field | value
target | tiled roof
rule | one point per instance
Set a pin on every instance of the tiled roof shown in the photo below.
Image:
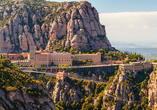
(61, 72)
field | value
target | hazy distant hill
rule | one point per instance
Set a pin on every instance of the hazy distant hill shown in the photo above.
(148, 53)
(120, 44)
(138, 44)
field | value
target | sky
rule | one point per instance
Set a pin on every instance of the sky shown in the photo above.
(133, 21)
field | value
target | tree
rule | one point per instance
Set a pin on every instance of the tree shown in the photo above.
(71, 51)
(66, 65)
(38, 69)
(90, 60)
(89, 73)
(134, 60)
(77, 51)
(22, 57)
(87, 106)
(64, 69)
(75, 105)
(127, 61)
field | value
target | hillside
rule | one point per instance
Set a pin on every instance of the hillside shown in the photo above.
(50, 25)
(124, 90)
(20, 91)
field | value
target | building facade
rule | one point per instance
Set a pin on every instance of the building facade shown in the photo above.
(96, 58)
(15, 56)
(61, 76)
(44, 57)
(137, 66)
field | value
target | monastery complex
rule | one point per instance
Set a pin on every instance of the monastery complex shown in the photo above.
(44, 57)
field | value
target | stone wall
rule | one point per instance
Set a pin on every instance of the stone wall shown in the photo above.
(96, 58)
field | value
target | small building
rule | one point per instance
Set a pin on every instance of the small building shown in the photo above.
(126, 67)
(15, 56)
(148, 65)
(62, 76)
(137, 66)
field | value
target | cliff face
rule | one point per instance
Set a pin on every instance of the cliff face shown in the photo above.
(71, 90)
(25, 24)
(117, 92)
(23, 100)
(152, 93)
(82, 28)
(20, 91)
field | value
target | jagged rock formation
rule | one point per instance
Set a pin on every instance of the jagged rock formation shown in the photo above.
(118, 91)
(22, 100)
(82, 28)
(69, 92)
(152, 92)
(20, 91)
(23, 24)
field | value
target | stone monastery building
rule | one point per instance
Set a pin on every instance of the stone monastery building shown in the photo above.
(44, 57)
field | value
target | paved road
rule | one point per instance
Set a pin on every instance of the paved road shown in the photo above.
(46, 73)
(53, 74)
(90, 66)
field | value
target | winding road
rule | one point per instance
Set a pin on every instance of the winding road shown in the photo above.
(53, 74)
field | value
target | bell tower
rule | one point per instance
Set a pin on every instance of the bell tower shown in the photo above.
(32, 54)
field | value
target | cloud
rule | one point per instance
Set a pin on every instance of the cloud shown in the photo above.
(145, 27)
(130, 26)
(112, 26)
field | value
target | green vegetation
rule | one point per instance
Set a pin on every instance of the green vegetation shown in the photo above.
(10, 76)
(153, 60)
(85, 103)
(105, 53)
(82, 63)
(34, 92)
(11, 80)
(138, 83)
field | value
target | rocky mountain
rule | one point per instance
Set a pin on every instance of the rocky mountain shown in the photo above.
(118, 91)
(152, 89)
(25, 99)
(20, 91)
(43, 24)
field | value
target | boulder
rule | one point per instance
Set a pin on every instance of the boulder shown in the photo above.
(34, 19)
(100, 78)
(15, 96)
(5, 15)
(59, 9)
